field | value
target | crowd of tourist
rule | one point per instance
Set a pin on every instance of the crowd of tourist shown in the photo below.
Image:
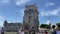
(33, 32)
(21, 31)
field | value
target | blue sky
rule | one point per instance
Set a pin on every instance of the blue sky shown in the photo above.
(13, 10)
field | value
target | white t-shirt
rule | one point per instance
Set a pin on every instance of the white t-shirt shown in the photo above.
(21, 32)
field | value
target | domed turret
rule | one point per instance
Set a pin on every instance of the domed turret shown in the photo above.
(5, 23)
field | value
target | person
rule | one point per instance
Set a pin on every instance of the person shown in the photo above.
(26, 32)
(54, 30)
(21, 32)
(29, 31)
(46, 32)
(32, 32)
(2, 31)
(37, 32)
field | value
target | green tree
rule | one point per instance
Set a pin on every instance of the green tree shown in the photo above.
(44, 26)
(58, 24)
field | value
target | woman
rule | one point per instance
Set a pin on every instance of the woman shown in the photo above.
(46, 32)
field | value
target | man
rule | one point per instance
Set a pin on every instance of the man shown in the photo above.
(54, 30)
(2, 31)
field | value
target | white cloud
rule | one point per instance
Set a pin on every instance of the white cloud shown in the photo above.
(21, 14)
(49, 4)
(54, 12)
(48, 21)
(22, 11)
(1, 23)
(20, 2)
(4, 1)
(2, 17)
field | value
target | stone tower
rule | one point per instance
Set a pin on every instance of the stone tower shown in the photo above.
(30, 19)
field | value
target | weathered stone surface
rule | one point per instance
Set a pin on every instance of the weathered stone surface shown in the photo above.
(30, 19)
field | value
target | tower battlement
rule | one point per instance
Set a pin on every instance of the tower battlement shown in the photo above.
(33, 6)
